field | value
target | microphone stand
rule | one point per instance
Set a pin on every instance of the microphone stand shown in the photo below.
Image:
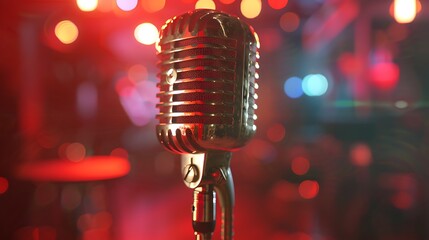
(209, 174)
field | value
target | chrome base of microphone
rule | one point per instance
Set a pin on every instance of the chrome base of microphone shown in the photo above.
(209, 174)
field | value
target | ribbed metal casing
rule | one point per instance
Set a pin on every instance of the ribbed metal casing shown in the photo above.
(207, 62)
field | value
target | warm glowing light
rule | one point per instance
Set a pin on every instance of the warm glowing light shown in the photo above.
(277, 4)
(205, 4)
(315, 85)
(293, 87)
(300, 165)
(404, 11)
(154, 5)
(75, 152)
(87, 5)
(385, 75)
(126, 5)
(250, 8)
(308, 189)
(361, 155)
(66, 31)
(289, 22)
(146, 33)
(90, 169)
(4, 185)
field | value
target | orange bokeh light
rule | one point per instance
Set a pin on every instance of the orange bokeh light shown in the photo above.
(251, 8)
(66, 31)
(205, 4)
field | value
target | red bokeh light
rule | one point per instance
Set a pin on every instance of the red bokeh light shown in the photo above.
(277, 4)
(361, 155)
(276, 132)
(289, 21)
(384, 75)
(4, 185)
(308, 189)
(300, 165)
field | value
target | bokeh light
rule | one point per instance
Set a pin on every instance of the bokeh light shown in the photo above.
(153, 6)
(361, 155)
(205, 4)
(277, 4)
(138, 100)
(315, 85)
(308, 189)
(384, 75)
(75, 152)
(404, 11)
(250, 8)
(66, 31)
(289, 21)
(276, 132)
(300, 165)
(126, 5)
(87, 5)
(4, 185)
(293, 87)
(146, 33)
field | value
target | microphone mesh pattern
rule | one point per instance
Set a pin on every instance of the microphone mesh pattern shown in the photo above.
(203, 91)
(207, 63)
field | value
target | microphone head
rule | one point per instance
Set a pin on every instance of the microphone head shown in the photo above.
(208, 63)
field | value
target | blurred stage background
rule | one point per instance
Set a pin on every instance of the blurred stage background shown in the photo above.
(342, 145)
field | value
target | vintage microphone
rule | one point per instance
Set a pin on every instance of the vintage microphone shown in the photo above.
(208, 62)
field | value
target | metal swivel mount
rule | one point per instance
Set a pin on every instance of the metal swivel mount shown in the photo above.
(209, 174)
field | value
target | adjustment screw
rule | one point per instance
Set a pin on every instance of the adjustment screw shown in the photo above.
(190, 173)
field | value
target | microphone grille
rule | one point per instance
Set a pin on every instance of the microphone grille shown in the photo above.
(207, 62)
(198, 80)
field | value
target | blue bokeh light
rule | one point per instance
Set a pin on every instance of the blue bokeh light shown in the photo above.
(293, 87)
(315, 85)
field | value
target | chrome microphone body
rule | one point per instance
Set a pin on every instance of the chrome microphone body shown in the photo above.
(208, 67)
